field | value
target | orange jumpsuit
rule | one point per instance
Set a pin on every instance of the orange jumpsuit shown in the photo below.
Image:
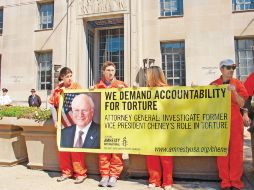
(160, 167)
(157, 165)
(110, 164)
(249, 84)
(70, 163)
(231, 166)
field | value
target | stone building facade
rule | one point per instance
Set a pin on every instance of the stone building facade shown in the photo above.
(187, 38)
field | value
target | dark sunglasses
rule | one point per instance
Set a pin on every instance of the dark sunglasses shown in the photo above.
(230, 67)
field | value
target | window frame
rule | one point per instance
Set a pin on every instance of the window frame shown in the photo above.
(109, 56)
(182, 62)
(40, 19)
(163, 11)
(90, 42)
(1, 22)
(97, 63)
(238, 51)
(39, 63)
(234, 6)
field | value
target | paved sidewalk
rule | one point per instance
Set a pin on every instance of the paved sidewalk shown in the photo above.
(20, 178)
(248, 165)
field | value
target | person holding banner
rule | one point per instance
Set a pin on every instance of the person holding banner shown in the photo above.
(248, 112)
(110, 165)
(70, 163)
(231, 166)
(159, 167)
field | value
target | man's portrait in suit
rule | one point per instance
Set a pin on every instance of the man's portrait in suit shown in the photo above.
(85, 133)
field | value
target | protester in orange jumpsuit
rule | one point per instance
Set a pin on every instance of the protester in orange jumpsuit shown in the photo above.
(71, 163)
(248, 113)
(231, 166)
(110, 165)
(249, 84)
(159, 167)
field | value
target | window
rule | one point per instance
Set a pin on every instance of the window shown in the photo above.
(90, 57)
(244, 51)
(44, 61)
(1, 20)
(111, 48)
(173, 63)
(171, 7)
(241, 5)
(46, 15)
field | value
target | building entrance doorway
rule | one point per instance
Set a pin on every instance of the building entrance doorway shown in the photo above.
(105, 43)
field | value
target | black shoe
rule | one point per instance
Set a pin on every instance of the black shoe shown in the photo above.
(234, 188)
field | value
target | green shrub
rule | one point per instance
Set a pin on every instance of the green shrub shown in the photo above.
(35, 113)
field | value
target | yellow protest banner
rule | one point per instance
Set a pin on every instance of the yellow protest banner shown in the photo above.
(177, 121)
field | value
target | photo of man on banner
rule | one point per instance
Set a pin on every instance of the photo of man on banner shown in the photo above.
(78, 128)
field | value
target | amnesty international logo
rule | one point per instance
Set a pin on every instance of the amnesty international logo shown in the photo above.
(124, 142)
(110, 141)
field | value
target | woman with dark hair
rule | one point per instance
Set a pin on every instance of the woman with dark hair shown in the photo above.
(159, 167)
(71, 163)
